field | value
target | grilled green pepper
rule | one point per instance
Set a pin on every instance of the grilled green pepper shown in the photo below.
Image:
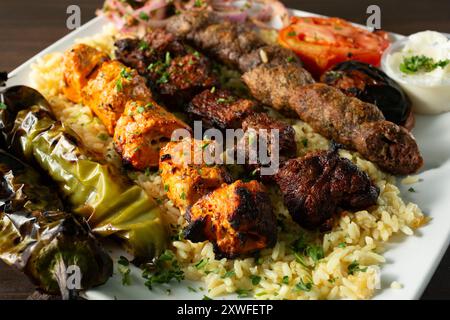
(40, 239)
(95, 189)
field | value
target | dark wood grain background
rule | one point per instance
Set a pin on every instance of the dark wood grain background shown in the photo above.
(27, 27)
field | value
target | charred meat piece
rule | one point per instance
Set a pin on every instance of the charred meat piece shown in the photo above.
(79, 64)
(186, 175)
(183, 77)
(110, 88)
(359, 126)
(286, 147)
(220, 109)
(316, 186)
(237, 218)
(142, 130)
(174, 70)
(140, 53)
(274, 85)
(369, 84)
(225, 40)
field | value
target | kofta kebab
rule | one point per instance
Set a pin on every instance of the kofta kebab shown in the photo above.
(236, 216)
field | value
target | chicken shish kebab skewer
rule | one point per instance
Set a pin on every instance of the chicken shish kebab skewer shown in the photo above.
(280, 81)
(236, 217)
(122, 101)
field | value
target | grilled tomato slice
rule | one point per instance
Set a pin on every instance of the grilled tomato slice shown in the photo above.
(323, 42)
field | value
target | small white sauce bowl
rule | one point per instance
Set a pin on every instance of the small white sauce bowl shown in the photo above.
(425, 98)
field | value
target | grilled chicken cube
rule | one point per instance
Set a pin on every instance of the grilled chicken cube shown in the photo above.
(142, 130)
(79, 64)
(112, 86)
(220, 109)
(185, 174)
(237, 218)
(317, 186)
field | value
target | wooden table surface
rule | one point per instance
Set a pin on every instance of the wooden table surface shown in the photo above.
(27, 27)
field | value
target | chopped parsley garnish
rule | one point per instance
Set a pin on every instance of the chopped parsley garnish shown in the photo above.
(342, 245)
(225, 100)
(164, 78)
(292, 34)
(119, 85)
(285, 280)
(103, 136)
(143, 45)
(166, 187)
(198, 3)
(255, 279)
(290, 59)
(300, 244)
(168, 58)
(243, 293)
(412, 189)
(3, 106)
(315, 252)
(140, 109)
(191, 289)
(143, 16)
(124, 270)
(183, 196)
(229, 274)
(201, 264)
(421, 63)
(125, 74)
(196, 54)
(163, 270)
(302, 286)
(354, 267)
(205, 145)
(305, 142)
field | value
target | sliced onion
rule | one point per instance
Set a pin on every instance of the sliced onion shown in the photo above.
(259, 12)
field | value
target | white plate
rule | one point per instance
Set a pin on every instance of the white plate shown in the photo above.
(410, 260)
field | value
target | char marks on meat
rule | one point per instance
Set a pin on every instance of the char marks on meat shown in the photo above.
(220, 109)
(287, 148)
(237, 218)
(173, 70)
(358, 125)
(318, 185)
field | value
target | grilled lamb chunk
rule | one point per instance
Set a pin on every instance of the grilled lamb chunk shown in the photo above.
(220, 109)
(237, 218)
(173, 70)
(317, 186)
(185, 77)
(262, 121)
